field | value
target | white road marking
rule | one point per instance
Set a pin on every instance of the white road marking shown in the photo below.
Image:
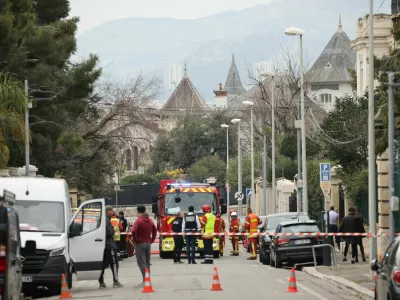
(280, 281)
(311, 292)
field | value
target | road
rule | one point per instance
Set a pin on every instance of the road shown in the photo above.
(239, 279)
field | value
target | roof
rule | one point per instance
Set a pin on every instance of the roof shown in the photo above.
(185, 97)
(233, 84)
(288, 223)
(334, 62)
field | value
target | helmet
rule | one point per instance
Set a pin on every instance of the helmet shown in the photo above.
(234, 214)
(206, 208)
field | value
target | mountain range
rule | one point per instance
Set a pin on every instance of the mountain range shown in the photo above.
(128, 46)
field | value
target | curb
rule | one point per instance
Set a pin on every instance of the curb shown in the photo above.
(349, 286)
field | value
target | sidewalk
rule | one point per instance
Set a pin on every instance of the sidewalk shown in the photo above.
(354, 278)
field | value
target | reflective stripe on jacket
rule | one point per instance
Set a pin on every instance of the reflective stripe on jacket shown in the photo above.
(251, 224)
(117, 233)
(209, 225)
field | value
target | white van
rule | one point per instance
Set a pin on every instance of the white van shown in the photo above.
(53, 242)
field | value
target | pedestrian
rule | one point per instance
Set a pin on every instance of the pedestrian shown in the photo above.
(350, 224)
(178, 239)
(191, 224)
(110, 252)
(333, 224)
(222, 237)
(234, 227)
(124, 224)
(361, 230)
(117, 233)
(144, 232)
(208, 223)
(251, 225)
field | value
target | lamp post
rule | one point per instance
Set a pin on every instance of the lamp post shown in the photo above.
(227, 168)
(249, 103)
(237, 121)
(300, 33)
(273, 181)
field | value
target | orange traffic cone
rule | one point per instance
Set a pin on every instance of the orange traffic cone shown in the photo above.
(292, 283)
(147, 283)
(374, 288)
(216, 286)
(65, 294)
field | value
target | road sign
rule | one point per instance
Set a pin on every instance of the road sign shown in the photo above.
(116, 188)
(325, 178)
(248, 192)
(239, 196)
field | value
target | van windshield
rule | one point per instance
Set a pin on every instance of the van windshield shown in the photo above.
(197, 200)
(41, 216)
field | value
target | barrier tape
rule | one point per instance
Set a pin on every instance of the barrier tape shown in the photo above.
(322, 234)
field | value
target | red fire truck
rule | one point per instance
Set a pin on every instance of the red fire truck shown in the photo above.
(174, 197)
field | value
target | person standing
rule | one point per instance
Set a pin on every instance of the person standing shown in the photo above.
(361, 230)
(144, 232)
(178, 239)
(350, 224)
(333, 227)
(234, 227)
(251, 226)
(124, 225)
(222, 237)
(208, 222)
(191, 224)
(110, 252)
(117, 235)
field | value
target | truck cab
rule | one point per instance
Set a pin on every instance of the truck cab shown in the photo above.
(174, 197)
(53, 241)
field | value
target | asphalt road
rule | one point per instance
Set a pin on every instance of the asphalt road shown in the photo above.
(239, 279)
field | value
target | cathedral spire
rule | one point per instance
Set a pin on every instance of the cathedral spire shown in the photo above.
(340, 20)
(185, 70)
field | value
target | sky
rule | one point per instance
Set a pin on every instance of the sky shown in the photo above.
(95, 12)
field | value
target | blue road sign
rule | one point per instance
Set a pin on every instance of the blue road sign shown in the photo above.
(248, 192)
(325, 172)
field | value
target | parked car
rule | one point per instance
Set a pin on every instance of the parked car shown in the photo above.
(388, 273)
(245, 240)
(271, 223)
(10, 249)
(283, 248)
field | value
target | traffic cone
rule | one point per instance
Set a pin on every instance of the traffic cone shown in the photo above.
(216, 286)
(65, 294)
(292, 283)
(147, 283)
(374, 288)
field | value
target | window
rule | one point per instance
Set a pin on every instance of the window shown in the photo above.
(300, 228)
(385, 258)
(90, 217)
(272, 223)
(135, 158)
(173, 205)
(129, 159)
(325, 98)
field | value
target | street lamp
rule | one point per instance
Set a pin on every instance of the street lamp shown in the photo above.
(251, 104)
(273, 181)
(303, 184)
(237, 121)
(227, 167)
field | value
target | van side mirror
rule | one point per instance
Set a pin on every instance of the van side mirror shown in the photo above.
(223, 209)
(154, 199)
(221, 200)
(375, 266)
(75, 230)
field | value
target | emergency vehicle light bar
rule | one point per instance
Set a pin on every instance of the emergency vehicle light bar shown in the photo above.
(190, 184)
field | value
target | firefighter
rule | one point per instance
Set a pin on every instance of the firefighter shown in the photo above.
(251, 226)
(234, 227)
(116, 224)
(222, 237)
(208, 223)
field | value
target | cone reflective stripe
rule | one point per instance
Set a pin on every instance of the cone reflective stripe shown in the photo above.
(216, 286)
(65, 294)
(292, 283)
(147, 288)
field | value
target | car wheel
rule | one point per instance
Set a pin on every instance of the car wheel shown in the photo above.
(271, 261)
(69, 279)
(261, 252)
(278, 261)
(266, 259)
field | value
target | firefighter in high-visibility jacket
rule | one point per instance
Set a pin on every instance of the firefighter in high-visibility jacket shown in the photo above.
(234, 227)
(222, 237)
(251, 225)
(116, 224)
(208, 222)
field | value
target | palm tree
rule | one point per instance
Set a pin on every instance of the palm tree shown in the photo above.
(12, 107)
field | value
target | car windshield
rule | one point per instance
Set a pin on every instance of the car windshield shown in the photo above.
(300, 228)
(275, 221)
(41, 216)
(197, 200)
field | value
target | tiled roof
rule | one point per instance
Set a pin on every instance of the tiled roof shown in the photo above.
(233, 83)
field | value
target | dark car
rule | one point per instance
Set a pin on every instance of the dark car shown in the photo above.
(270, 225)
(388, 273)
(286, 248)
(10, 249)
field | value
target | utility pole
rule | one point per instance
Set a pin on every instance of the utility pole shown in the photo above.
(264, 178)
(240, 202)
(371, 139)
(27, 136)
(273, 180)
(299, 176)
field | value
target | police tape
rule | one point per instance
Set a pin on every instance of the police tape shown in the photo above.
(313, 234)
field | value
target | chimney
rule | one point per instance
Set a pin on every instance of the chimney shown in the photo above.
(221, 98)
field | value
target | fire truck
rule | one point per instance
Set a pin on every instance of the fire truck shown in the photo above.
(174, 197)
